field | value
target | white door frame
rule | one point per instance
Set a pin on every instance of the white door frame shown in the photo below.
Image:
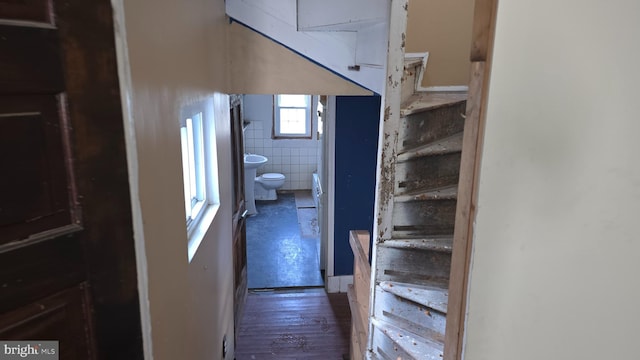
(333, 284)
(329, 169)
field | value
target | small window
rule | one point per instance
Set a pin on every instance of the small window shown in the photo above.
(193, 166)
(292, 116)
(199, 171)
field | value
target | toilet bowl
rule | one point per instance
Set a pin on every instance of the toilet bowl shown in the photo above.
(266, 186)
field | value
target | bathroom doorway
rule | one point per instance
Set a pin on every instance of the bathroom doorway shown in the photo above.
(284, 237)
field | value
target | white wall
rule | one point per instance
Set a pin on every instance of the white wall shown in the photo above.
(175, 60)
(556, 264)
(295, 159)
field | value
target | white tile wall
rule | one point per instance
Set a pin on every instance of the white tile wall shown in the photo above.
(296, 159)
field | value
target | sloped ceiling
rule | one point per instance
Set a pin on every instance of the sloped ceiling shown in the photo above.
(259, 65)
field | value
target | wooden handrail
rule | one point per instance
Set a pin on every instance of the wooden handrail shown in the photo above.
(359, 241)
(359, 292)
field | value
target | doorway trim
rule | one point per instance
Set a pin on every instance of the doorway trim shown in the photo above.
(124, 79)
(330, 171)
(484, 22)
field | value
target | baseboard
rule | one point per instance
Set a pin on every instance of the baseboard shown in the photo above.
(339, 284)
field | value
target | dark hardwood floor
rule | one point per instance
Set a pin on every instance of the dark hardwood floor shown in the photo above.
(305, 325)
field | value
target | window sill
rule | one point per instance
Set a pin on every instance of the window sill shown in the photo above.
(199, 230)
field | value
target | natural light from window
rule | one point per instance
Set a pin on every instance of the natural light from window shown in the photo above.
(199, 171)
(191, 136)
(292, 116)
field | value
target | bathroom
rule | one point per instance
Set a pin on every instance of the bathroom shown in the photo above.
(283, 240)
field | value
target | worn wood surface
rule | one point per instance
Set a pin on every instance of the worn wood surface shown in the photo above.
(359, 326)
(425, 101)
(483, 29)
(382, 227)
(422, 128)
(393, 343)
(430, 172)
(481, 51)
(359, 292)
(412, 68)
(426, 217)
(418, 319)
(314, 326)
(412, 266)
(465, 213)
(481, 54)
(441, 146)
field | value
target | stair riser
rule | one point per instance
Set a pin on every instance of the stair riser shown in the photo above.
(426, 127)
(428, 268)
(427, 173)
(432, 217)
(411, 316)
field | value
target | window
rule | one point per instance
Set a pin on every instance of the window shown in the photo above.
(199, 171)
(292, 116)
(193, 164)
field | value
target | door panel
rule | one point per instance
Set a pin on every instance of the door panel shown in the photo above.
(26, 10)
(41, 197)
(38, 270)
(67, 257)
(30, 60)
(239, 211)
(68, 309)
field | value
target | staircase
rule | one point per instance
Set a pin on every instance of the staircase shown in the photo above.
(412, 254)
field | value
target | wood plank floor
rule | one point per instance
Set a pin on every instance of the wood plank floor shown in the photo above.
(304, 325)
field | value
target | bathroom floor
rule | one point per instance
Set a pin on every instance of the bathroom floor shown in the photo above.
(283, 243)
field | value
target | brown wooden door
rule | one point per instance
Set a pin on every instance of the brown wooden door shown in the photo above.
(67, 260)
(239, 211)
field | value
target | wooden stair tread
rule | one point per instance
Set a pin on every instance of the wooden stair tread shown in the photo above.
(430, 297)
(447, 145)
(424, 101)
(444, 193)
(440, 243)
(417, 347)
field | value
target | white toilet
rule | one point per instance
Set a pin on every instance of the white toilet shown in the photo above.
(266, 186)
